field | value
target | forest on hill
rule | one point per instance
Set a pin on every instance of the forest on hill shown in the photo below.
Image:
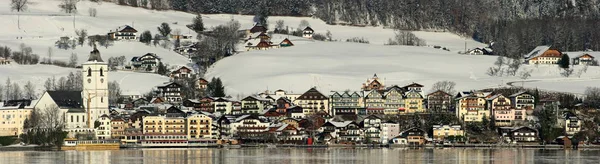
(515, 26)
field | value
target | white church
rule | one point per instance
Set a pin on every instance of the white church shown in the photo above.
(80, 109)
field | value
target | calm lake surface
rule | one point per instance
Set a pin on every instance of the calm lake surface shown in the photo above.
(305, 155)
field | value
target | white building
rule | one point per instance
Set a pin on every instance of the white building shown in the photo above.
(95, 86)
(103, 130)
(80, 109)
(389, 130)
(124, 33)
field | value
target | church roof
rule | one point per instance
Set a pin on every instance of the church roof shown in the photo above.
(95, 56)
(67, 99)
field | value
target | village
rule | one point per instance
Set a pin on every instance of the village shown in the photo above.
(375, 113)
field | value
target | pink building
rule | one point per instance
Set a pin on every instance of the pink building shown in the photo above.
(502, 110)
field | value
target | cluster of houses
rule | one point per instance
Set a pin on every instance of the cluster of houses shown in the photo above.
(343, 117)
(258, 39)
(279, 116)
(546, 55)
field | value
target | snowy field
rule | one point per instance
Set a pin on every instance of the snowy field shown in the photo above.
(329, 66)
(341, 66)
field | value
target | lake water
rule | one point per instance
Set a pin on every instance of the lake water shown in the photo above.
(305, 155)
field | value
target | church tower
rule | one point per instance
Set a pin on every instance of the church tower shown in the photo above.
(95, 87)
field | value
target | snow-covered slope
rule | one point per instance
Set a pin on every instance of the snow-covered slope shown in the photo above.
(340, 66)
(329, 66)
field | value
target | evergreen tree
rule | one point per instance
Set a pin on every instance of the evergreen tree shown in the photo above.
(161, 70)
(146, 37)
(215, 88)
(198, 25)
(164, 29)
(564, 62)
(219, 89)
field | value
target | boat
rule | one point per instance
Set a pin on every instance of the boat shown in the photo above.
(271, 146)
(75, 144)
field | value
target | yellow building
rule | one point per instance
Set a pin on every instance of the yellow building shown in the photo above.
(12, 116)
(472, 109)
(442, 131)
(118, 126)
(199, 126)
(413, 102)
(163, 125)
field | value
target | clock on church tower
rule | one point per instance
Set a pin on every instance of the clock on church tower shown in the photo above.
(95, 86)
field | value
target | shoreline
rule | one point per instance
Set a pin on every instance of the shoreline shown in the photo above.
(275, 146)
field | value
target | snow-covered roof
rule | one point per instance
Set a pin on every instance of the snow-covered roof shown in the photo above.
(340, 124)
(517, 94)
(494, 97)
(130, 93)
(282, 127)
(537, 51)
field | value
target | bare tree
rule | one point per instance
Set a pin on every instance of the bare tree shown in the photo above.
(17, 93)
(19, 5)
(114, 92)
(279, 25)
(513, 66)
(81, 36)
(592, 97)
(93, 12)
(406, 38)
(8, 89)
(303, 24)
(68, 6)
(566, 72)
(73, 60)
(30, 90)
(52, 118)
(446, 86)
(1, 93)
(50, 51)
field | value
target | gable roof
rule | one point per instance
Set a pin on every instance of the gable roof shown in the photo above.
(286, 41)
(312, 94)
(519, 93)
(67, 99)
(413, 85)
(438, 92)
(308, 29)
(167, 84)
(127, 28)
(258, 28)
(537, 51)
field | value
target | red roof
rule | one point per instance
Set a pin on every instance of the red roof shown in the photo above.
(551, 53)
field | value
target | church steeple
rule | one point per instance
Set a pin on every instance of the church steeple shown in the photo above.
(95, 55)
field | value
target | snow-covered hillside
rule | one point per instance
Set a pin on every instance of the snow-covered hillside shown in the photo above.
(329, 66)
(340, 66)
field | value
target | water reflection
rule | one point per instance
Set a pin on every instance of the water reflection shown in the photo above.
(302, 155)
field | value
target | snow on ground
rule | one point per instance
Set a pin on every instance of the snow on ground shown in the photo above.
(329, 66)
(37, 74)
(340, 66)
(449, 40)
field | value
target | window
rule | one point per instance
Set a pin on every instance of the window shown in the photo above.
(89, 72)
(101, 72)
(102, 99)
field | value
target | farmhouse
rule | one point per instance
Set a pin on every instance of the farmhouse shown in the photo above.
(123, 33)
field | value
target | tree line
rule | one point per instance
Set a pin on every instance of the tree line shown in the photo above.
(13, 91)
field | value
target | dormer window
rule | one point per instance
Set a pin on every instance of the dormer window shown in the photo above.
(89, 72)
